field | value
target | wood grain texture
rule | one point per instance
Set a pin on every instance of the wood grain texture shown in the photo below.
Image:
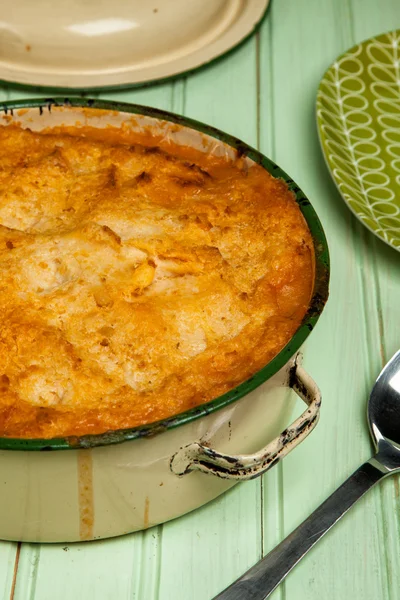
(265, 94)
(8, 568)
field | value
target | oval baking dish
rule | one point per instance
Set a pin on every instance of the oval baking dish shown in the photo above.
(126, 480)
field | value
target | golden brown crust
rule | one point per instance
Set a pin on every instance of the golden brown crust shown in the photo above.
(137, 283)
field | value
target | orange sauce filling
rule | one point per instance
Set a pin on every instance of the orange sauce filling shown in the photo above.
(139, 278)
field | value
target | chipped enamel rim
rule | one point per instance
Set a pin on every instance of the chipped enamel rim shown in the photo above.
(317, 302)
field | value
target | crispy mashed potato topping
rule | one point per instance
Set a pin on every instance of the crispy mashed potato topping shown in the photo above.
(137, 282)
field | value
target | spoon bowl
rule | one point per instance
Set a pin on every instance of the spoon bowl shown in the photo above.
(384, 405)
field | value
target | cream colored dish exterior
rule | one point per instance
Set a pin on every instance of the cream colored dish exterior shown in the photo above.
(75, 495)
(88, 489)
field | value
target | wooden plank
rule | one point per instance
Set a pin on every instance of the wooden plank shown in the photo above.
(349, 562)
(11, 93)
(204, 551)
(123, 568)
(159, 96)
(9, 552)
(224, 94)
(371, 18)
(382, 310)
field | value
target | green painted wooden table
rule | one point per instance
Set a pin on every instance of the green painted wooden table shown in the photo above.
(264, 92)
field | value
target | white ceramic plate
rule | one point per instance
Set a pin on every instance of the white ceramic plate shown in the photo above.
(103, 43)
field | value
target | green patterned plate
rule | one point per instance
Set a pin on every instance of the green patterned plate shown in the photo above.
(358, 113)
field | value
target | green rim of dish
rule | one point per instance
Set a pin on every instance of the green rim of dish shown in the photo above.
(317, 302)
(140, 84)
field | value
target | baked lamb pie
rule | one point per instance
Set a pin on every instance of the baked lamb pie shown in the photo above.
(137, 281)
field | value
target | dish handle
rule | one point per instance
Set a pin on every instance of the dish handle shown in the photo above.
(200, 457)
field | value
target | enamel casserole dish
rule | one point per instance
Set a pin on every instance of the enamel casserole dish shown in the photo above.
(91, 487)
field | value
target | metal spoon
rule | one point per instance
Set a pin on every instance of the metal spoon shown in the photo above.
(384, 423)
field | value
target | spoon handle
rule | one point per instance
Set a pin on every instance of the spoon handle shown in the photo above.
(260, 581)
